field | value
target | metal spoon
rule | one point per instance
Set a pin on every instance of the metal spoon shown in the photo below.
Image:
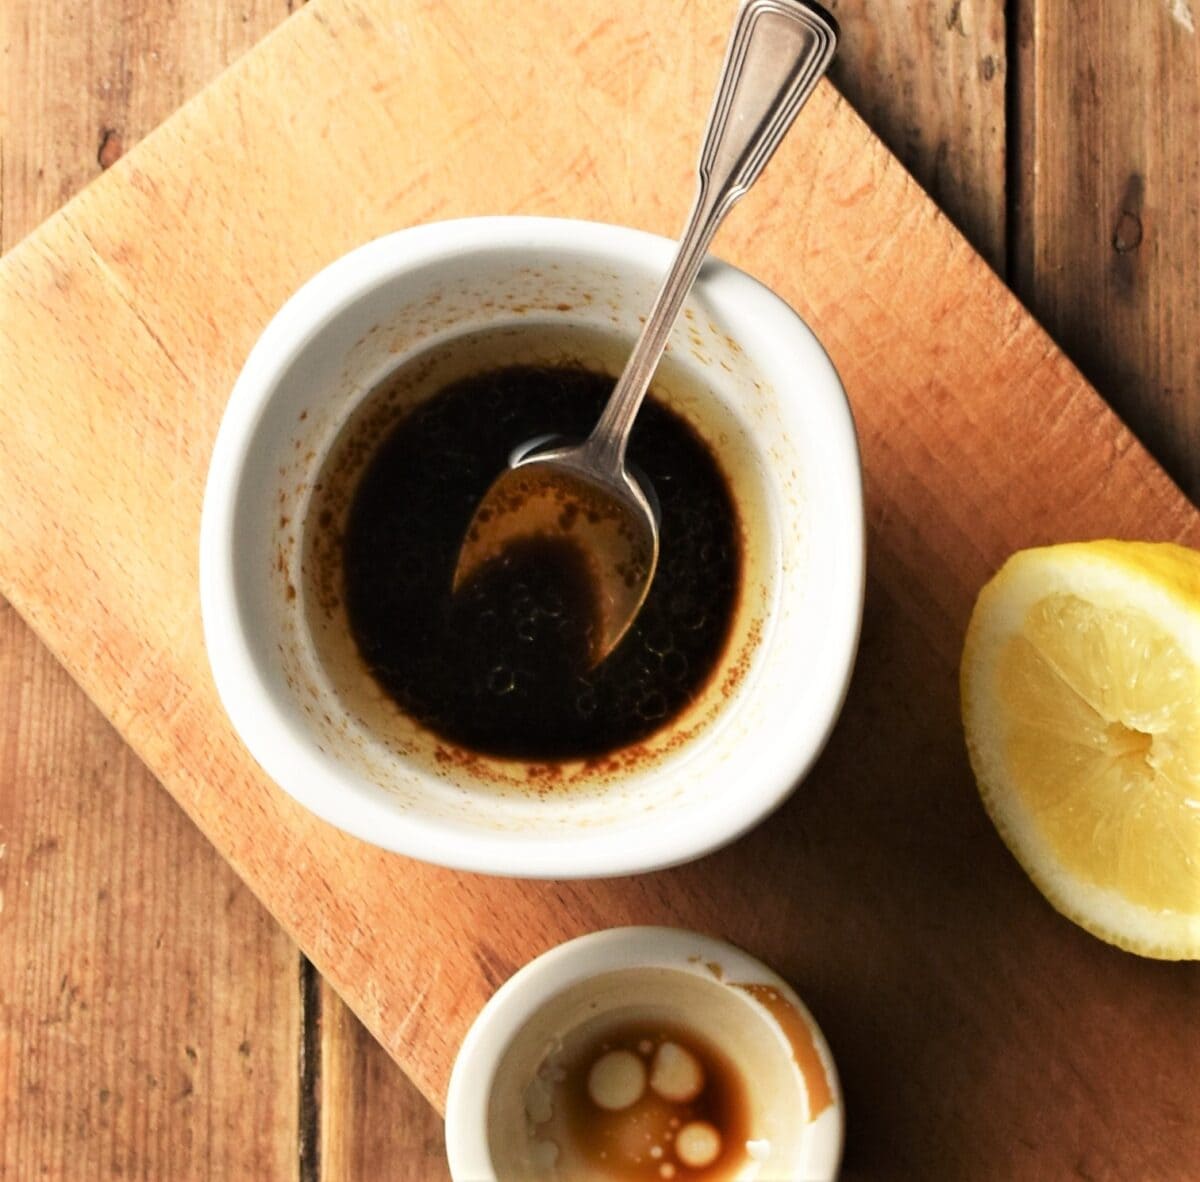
(583, 493)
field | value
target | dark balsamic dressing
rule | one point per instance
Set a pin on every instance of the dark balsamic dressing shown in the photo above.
(502, 667)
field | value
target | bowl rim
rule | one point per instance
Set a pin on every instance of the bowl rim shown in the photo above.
(292, 758)
(592, 955)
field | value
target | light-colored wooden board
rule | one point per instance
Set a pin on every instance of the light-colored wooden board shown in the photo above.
(1107, 234)
(975, 1029)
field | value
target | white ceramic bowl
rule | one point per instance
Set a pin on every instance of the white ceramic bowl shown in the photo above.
(741, 366)
(683, 978)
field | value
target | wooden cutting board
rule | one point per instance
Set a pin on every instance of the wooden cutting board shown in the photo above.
(978, 1034)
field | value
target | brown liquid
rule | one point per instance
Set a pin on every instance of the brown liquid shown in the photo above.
(503, 667)
(642, 1142)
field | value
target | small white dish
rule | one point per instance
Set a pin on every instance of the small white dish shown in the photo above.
(496, 1103)
(741, 365)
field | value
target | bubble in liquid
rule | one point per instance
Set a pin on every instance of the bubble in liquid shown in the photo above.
(698, 1144)
(502, 680)
(681, 604)
(651, 706)
(675, 665)
(648, 668)
(616, 1081)
(676, 1074)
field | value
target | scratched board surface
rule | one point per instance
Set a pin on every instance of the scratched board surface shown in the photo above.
(975, 1030)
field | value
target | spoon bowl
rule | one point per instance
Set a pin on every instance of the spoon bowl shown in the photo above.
(584, 496)
(561, 497)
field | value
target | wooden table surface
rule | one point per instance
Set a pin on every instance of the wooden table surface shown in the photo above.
(155, 1020)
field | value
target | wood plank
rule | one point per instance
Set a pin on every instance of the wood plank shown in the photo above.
(150, 1008)
(83, 82)
(929, 79)
(374, 1123)
(138, 1037)
(973, 1026)
(1108, 224)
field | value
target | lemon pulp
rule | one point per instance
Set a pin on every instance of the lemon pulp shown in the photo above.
(1081, 704)
(1101, 742)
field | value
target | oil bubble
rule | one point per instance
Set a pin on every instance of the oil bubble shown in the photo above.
(501, 681)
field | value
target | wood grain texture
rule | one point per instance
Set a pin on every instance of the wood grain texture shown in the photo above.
(929, 79)
(140, 62)
(974, 1028)
(139, 1038)
(83, 82)
(1107, 238)
(150, 1021)
(150, 1012)
(374, 1123)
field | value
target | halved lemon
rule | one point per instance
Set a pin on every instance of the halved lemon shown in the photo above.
(1081, 706)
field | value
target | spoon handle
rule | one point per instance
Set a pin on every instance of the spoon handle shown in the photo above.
(777, 52)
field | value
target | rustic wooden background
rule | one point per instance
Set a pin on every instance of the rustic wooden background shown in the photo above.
(165, 1026)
